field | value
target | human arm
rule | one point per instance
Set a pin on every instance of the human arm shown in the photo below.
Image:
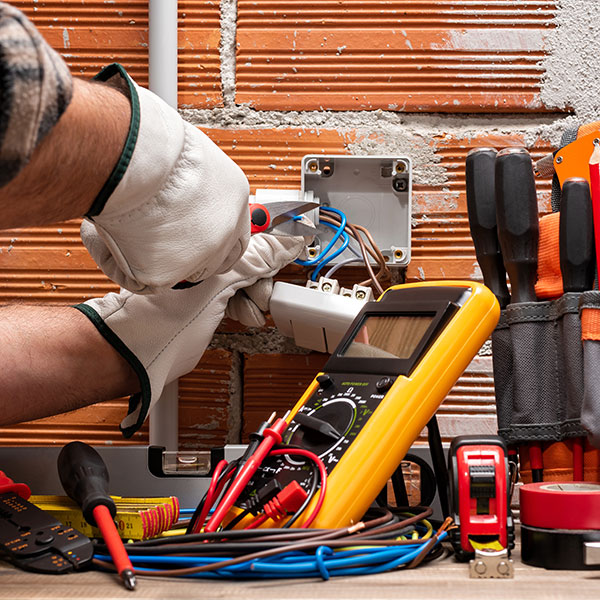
(56, 359)
(53, 361)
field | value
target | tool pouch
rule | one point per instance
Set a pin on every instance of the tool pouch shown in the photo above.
(590, 326)
(538, 370)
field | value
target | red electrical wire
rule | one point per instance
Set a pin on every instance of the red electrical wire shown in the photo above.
(322, 471)
(257, 522)
(214, 489)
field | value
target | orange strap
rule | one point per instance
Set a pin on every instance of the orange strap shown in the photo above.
(558, 458)
(549, 283)
(590, 324)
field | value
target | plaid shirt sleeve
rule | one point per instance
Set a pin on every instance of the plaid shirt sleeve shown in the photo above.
(35, 89)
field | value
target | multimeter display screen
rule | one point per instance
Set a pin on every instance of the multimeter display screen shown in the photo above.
(388, 336)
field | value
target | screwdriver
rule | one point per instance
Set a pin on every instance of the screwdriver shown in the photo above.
(576, 250)
(576, 236)
(518, 233)
(517, 218)
(481, 208)
(84, 477)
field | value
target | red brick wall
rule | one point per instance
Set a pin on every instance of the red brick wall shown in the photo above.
(436, 71)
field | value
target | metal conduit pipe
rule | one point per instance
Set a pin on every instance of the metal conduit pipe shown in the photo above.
(162, 74)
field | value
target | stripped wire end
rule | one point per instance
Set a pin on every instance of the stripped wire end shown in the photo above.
(356, 527)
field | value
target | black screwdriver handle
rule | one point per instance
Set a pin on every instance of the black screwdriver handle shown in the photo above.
(84, 477)
(517, 218)
(481, 208)
(576, 236)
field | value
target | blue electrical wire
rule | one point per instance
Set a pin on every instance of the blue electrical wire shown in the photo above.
(336, 236)
(346, 241)
(324, 562)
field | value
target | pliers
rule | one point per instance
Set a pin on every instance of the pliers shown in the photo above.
(279, 212)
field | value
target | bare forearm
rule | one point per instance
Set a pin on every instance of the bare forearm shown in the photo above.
(53, 361)
(70, 165)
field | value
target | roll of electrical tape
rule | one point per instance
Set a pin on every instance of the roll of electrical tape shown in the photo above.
(561, 505)
(556, 520)
(558, 549)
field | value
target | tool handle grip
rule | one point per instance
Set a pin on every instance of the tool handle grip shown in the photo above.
(8, 485)
(481, 208)
(576, 236)
(84, 477)
(260, 219)
(517, 218)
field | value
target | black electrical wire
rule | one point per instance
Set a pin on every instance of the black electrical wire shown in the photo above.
(237, 519)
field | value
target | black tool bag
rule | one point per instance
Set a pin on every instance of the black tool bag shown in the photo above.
(590, 410)
(538, 370)
(538, 363)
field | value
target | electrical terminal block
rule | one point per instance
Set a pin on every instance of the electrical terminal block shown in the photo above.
(359, 292)
(316, 316)
(331, 286)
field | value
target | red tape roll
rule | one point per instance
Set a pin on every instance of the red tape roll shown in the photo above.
(560, 505)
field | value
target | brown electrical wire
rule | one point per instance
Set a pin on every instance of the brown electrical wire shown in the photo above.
(331, 537)
(375, 252)
(430, 543)
(376, 249)
(240, 559)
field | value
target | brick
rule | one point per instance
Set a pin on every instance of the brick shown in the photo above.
(271, 157)
(434, 56)
(275, 382)
(90, 35)
(49, 265)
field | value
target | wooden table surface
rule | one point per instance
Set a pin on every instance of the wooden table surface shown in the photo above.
(443, 579)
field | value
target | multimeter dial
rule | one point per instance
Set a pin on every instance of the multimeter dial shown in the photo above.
(325, 427)
(326, 424)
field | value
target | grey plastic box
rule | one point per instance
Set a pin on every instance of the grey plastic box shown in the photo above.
(373, 191)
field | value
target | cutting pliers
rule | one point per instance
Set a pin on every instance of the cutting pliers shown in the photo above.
(279, 212)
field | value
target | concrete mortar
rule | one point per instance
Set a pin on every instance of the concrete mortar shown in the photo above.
(227, 50)
(571, 77)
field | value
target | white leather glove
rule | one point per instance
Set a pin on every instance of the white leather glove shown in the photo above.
(163, 336)
(175, 207)
(248, 304)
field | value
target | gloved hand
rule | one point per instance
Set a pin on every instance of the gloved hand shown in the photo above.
(162, 336)
(175, 206)
(248, 305)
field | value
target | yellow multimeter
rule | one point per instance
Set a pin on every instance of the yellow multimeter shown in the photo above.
(379, 389)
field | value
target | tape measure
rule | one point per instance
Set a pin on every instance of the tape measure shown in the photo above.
(556, 521)
(379, 389)
(479, 481)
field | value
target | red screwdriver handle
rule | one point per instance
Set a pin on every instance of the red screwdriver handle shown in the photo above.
(260, 219)
(8, 485)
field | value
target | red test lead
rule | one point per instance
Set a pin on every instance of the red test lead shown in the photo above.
(272, 436)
